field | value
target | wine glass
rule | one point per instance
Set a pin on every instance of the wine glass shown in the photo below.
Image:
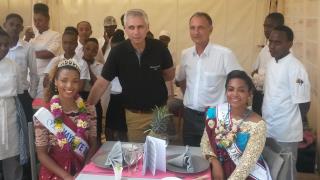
(139, 153)
(117, 169)
(130, 156)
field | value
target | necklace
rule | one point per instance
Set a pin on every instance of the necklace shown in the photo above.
(227, 129)
(245, 114)
(82, 123)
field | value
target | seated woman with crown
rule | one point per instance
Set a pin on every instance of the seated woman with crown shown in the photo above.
(234, 135)
(65, 143)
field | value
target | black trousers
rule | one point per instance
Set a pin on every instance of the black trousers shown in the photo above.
(98, 106)
(26, 102)
(193, 126)
(257, 101)
(116, 125)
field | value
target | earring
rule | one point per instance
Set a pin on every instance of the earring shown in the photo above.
(250, 101)
(56, 90)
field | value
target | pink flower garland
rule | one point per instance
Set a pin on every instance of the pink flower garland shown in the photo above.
(82, 122)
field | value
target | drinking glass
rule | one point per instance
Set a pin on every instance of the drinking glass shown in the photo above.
(139, 153)
(130, 156)
(117, 169)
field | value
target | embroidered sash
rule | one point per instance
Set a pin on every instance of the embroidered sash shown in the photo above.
(222, 113)
(47, 120)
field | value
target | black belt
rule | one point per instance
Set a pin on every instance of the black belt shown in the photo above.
(199, 113)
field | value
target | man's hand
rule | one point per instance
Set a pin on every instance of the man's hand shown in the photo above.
(168, 74)
(106, 37)
(182, 85)
(106, 42)
(97, 90)
(254, 72)
(46, 81)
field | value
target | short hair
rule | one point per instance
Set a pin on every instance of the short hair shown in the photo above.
(91, 40)
(70, 30)
(40, 8)
(122, 19)
(136, 13)
(84, 22)
(4, 33)
(288, 31)
(202, 14)
(277, 18)
(14, 15)
(118, 36)
(240, 75)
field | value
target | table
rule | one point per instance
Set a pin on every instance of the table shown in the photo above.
(90, 171)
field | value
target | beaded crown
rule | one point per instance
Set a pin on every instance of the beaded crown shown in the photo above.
(68, 62)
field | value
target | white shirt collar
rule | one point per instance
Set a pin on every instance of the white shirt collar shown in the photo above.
(284, 59)
(79, 44)
(205, 53)
(44, 32)
(19, 44)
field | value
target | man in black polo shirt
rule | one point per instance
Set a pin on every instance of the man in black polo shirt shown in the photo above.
(142, 66)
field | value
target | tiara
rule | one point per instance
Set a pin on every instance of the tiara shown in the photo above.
(68, 62)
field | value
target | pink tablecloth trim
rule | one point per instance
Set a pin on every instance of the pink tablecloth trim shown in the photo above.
(93, 169)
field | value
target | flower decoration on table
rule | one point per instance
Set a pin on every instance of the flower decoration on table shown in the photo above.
(226, 134)
(159, 122)
(82, 123)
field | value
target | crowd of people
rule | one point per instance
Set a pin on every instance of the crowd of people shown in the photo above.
(138, 73)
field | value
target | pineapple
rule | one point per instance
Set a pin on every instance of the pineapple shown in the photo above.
(159, 123)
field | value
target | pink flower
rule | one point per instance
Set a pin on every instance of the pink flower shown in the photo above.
(81, 131)
(56, 113)
(83, 116)
(56, 100)
(60, 135)
(67, 147)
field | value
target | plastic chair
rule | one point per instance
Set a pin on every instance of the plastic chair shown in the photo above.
(278, 160)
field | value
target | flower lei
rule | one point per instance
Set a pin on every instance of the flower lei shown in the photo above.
(82, 123)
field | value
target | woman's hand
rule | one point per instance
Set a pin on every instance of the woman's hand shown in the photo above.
(217, 170)
(68, 177)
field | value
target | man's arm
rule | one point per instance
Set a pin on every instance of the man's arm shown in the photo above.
(182, 85)
(168, 74)
(52, 49)
(105, 44)
(44, 54)
(33, 72)
(97, 90)
(304, 108)
(170, 89)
